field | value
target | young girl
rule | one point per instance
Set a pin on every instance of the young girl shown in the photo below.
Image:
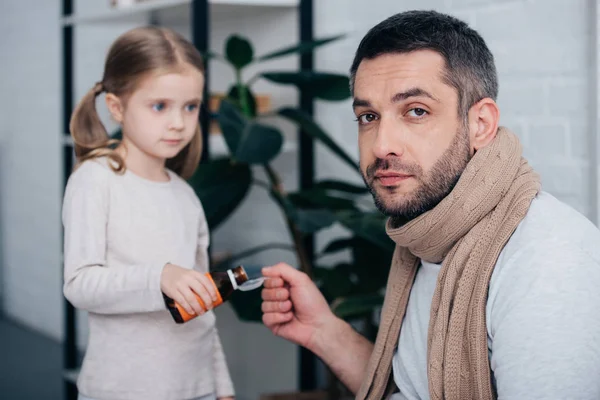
(134, 229)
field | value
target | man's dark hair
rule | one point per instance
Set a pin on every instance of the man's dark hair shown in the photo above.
(469, 63)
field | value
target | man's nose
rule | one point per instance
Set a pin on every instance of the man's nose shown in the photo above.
(389, 139)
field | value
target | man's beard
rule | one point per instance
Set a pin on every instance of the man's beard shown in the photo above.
(433, 187)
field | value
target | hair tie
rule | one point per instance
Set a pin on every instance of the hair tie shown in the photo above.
(98, 88)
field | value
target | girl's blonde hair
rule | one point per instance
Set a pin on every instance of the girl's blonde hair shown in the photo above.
(133, 55)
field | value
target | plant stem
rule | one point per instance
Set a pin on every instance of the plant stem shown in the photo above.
(279, 194)
(242, 94)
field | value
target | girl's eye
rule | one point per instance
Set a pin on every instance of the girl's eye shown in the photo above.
(366, 118)
(158, 106)
(417, 112)
(191, 107)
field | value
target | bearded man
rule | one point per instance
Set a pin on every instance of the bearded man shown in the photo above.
(494, 288)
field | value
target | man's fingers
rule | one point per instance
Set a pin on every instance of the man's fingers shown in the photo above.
(276, 306)
(273, 283)
(288, 273)
(275, 294)
(273, 319)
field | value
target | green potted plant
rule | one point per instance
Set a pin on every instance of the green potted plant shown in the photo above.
(353, 288)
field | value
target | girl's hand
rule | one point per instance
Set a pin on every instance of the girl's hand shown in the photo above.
(226, 398)
(180, 284)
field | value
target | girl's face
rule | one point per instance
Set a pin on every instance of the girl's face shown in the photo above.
(161, 116)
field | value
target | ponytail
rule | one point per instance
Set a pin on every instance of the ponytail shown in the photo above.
(89, 134)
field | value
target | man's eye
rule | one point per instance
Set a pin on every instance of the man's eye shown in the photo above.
(366, 118)
(417, 112)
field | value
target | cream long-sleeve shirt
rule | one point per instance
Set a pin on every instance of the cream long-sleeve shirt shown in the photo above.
(120, 231)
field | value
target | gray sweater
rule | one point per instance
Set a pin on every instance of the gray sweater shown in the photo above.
(120, 231)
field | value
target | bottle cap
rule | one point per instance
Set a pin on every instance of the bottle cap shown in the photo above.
(232, 279)
(237, 276)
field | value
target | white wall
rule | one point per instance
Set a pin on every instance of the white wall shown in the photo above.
(30, 164)
(546, 86)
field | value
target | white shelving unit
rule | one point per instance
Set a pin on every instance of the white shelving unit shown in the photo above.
(126, 12)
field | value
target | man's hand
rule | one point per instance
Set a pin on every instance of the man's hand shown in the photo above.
(293, 307)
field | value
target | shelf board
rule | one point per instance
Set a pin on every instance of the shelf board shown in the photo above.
(217, 146)
(125, 12)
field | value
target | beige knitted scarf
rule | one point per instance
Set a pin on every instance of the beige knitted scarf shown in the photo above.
(466, 232)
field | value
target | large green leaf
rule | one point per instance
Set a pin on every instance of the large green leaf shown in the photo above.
(322, 85)
(310, 127)
(311, 221)
(357, 306)
(232, 124)
(247, 305)
(301, 48)
(259, 144)
(238, 51)
(221, 187)
(367, 225)
(371, 264)
(334, 282)
(249, 142)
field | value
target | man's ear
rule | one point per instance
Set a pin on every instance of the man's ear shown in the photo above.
(115, 107)
(484, 118)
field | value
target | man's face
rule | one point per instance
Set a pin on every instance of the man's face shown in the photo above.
(413, 144)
